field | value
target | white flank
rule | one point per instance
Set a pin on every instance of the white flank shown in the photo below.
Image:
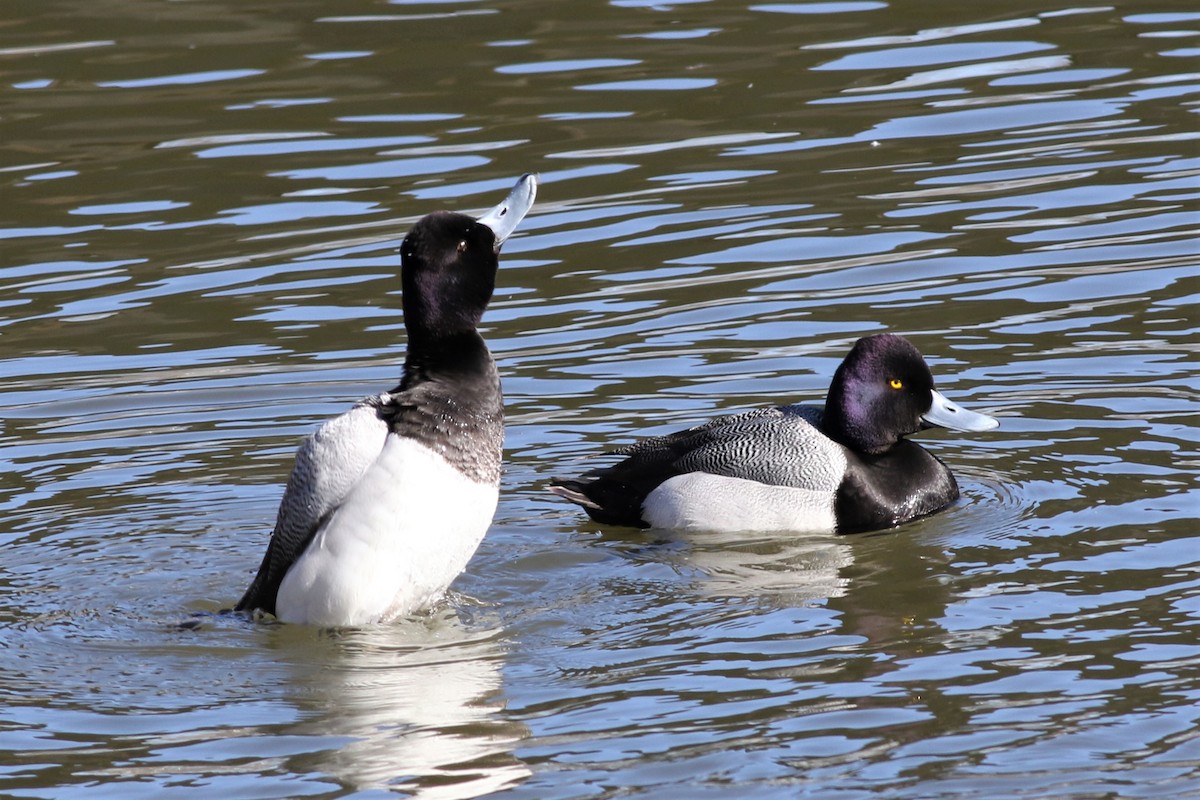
(403, 533)
(699, 501)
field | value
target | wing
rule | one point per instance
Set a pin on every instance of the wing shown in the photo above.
(327, 466)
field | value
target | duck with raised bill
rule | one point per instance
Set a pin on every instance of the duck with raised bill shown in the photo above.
(387, 502)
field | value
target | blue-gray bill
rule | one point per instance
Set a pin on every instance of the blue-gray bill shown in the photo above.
(504, 218)
(945, 413)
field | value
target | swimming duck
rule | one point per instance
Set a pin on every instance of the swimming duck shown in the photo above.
(388, 501)
(844, 468)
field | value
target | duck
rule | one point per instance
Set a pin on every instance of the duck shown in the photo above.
(387, 502)
(842, 468)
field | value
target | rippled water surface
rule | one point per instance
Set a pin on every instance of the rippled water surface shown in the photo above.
(201, 208)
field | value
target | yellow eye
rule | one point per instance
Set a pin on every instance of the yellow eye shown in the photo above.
(896, 383)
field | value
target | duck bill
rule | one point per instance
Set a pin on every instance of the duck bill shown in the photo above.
(947, 414)
(504, 218)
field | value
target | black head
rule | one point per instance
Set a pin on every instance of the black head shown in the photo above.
(878, 394)
(448, 264)
(448, 268)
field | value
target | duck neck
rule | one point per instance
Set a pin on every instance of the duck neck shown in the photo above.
(450, 358)
(449, 400)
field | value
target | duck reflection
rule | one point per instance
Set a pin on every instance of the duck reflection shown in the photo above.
(416, 702)
(786, 569)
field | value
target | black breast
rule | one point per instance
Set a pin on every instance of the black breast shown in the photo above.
(450, 401)
(887, 490)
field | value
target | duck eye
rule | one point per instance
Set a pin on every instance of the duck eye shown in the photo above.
(896, 383)
(462, 246)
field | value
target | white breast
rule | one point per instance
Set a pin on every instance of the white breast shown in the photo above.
(405, 530)
(703, 502)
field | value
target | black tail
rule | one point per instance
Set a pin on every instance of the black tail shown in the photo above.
(606, 501)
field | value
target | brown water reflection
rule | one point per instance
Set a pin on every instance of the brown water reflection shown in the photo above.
(202, 203)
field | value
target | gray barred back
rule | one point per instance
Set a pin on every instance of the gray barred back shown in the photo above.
(778, 446)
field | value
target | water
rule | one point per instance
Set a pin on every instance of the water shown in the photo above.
(201, 210)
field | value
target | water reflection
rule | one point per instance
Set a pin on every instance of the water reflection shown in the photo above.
(416, 703)
(783, 569)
